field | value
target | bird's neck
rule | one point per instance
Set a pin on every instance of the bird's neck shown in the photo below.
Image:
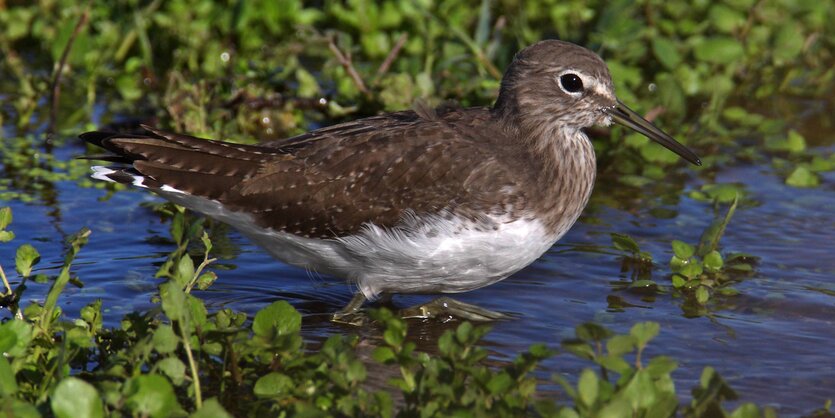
(567, 167)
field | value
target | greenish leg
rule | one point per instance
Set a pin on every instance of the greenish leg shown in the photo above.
(351, 314)
(446, 306)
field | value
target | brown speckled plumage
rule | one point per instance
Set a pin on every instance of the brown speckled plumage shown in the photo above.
(329, 182)
(430, 200)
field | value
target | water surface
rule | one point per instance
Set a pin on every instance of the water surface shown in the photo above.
(772, 342)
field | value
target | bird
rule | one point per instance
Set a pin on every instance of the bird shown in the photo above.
(422, 201)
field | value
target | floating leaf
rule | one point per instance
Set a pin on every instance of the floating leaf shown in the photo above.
(5, 217)
(682, 250)
(624, 242)
(713, 261)
(803, 177)
(702, 294)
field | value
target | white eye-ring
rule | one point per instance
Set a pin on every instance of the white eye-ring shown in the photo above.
(571, 83)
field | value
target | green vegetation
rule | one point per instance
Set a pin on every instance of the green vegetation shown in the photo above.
(183, 360)
(720, 76)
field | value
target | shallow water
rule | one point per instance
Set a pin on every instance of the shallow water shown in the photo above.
(769, 342)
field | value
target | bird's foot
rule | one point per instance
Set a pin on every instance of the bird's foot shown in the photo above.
(445, 308)
(352, 313)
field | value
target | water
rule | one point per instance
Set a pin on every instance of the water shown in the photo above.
(769, 342)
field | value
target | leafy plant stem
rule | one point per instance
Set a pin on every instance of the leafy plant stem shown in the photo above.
(63, 278)
(193, 281)
(5, 282)
(198, 395)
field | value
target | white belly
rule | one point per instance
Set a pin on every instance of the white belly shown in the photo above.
(435, 256)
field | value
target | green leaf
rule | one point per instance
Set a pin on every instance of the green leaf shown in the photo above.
(355, 372)
(725, 19)
(788, 43)
(624, 242)
(279, 318)
(165, 340)
(793, 143)
(27, 256)
(499, 383)
(206, 279)
(746, 410)
(211, 409)
(614, 363)
(173, 300)
(682, 249)
(660, 366)
(588, 387)
(713, 261)
(151, 395)
(803, 177)
(20, 409)
(645, 285)
(383, 354)
(620, 344)
(308, 86)
(5, 217)
(15, 336)
(719, 192)
(8, 383)
(590, 331)
(272, 384)
(666, 52)
(185, 270)
(692, 270)
(463, 332)
(644, 332)
(6, 236)
(174, 368)
(618, 408)
(207, 242)
(75, 398)
(702, 294)
(178, 227)
(719, 50)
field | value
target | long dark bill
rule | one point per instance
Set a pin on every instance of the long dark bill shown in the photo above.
(627, 117)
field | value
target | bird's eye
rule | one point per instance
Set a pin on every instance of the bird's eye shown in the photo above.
(571, 83)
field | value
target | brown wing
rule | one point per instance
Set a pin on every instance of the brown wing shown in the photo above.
(331, 181)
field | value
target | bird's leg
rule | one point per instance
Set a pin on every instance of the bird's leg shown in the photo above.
(351, 314)
(446, 307)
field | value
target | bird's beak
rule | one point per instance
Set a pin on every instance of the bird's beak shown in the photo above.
(627, 117)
